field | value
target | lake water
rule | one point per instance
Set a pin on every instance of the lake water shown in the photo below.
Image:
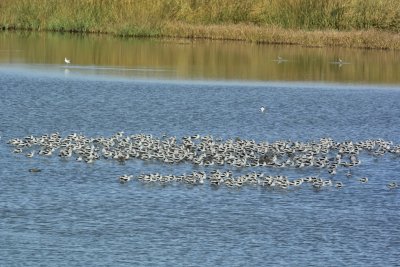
(195, 60)
(77, 214)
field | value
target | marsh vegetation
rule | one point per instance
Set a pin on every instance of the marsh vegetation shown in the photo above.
(347, 23)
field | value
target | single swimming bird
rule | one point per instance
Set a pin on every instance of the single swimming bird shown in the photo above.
(392, 185)
(66, 60)
(279, 60)
(339, 185)
(125, 178)
(363, 180)
(35, 170)
(262, 109)
(17, 150)
(340, 62)
(327, 183)
(30, 154)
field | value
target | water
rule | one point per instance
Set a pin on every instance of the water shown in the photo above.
(197, 59)
(77, 214)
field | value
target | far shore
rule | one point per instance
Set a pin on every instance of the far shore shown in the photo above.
(340, 23)
(362, 39)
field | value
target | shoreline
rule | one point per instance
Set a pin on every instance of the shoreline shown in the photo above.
(362, 39)
(359, 39)
(339, 23)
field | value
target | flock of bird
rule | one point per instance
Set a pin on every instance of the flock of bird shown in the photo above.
(207, 151)
(324, 155)
(218, 178)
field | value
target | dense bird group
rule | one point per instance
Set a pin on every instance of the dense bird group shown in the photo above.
(218, 178)
(324, 154)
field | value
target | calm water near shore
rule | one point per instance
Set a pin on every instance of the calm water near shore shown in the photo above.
(77, 214)
(198, 59)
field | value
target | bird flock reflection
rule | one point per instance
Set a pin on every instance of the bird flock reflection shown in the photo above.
(218, 158)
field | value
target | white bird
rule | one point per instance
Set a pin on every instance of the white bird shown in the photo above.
(339, 185)
(262, 109)
(67, 60)
(280, 60)
(392, 185)
(30, 154)
(125, 178)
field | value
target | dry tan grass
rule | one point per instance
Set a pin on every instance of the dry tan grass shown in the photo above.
(372, 39)
(347, 23)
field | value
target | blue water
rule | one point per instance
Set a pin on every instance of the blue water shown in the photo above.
(77, 214)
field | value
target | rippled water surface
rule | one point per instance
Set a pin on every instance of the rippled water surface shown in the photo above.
(77, 214)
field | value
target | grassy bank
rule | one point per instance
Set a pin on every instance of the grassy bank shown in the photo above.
(350, 23)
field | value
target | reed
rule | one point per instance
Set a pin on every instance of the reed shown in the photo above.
(372, 39)
(305, 22)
